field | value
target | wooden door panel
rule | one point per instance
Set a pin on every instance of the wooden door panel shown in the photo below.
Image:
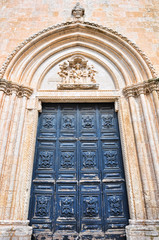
(78, 178)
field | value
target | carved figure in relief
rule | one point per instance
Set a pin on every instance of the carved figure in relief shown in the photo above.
(91, 73)
(63, 73)
(77, 74)
(78, 12)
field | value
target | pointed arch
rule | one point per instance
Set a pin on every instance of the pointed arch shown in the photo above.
(115, 53)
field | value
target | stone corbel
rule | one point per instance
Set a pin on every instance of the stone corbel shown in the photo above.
(8, 87)
(145, 87)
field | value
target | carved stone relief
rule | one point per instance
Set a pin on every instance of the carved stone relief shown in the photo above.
(78, 12)
(77, 74)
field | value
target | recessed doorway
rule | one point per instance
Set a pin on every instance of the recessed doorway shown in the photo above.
(78, 186)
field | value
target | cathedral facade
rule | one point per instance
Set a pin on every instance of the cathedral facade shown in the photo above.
(79, 120)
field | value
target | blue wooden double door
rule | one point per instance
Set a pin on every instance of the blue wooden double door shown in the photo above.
(78, 184)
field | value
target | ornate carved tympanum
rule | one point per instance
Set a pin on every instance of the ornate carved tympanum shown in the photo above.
(77, 74)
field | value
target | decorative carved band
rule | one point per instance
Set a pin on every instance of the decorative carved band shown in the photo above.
(145, 87)
(9, 87)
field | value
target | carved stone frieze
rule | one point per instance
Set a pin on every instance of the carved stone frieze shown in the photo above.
(145, 87)
(9, 87)
(77, 74)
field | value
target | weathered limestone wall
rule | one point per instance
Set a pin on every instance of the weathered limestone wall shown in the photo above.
(137, 104)
(138, 20)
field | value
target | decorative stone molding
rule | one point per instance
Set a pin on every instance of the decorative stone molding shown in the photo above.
(9, 87)
(77, 86)
(145, 87)
(108, 31)
(76, 74)
(73, 96)
(78, 12)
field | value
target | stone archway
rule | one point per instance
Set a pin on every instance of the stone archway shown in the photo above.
(25, 85)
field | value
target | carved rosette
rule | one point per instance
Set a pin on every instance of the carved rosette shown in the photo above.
(77, 74)
(91, 209)
(66, 207)
(141, 88)
(9, 87)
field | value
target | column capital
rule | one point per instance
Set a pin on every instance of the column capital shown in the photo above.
(8, 87)
(145, 87)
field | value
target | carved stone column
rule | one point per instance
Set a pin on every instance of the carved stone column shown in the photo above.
(12, 118)
(131, 165)
(146, 145)
(156, 101)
